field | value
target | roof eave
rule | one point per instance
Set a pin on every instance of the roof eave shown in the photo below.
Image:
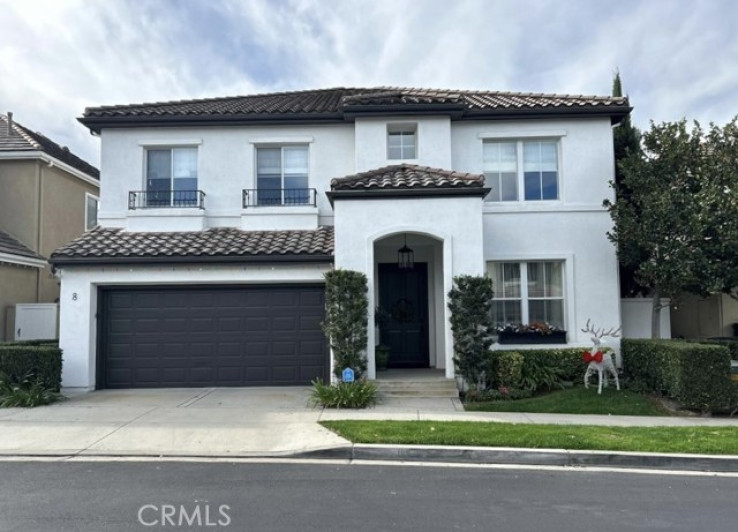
(385, 193)
(97, 123)
(61, 261)
(616, 113)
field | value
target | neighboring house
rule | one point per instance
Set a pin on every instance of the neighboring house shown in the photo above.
(49, 196)
(219, 217)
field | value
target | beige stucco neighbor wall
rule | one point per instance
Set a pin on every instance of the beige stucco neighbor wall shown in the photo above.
(43, 207)
(17, 285)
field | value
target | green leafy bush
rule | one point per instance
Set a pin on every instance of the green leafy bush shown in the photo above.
(509, 367)
(26, 392)
(48, 342)
(501, 394)
(357, 394)
(697, 375)
(346, 316)
(470, 303)
(540, 371)
(731, 344)
(40, 362)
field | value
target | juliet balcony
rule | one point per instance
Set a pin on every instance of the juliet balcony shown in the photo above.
(279, 209)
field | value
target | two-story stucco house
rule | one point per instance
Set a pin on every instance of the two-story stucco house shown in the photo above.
(48, 196)
(219, 217)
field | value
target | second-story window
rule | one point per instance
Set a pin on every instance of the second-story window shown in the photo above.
(514, 165)
(171, 177)
(282, 175)
(402, 141)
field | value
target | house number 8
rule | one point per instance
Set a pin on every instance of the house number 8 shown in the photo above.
(74, 296)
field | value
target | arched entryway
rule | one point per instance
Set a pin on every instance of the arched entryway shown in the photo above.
(409, 300)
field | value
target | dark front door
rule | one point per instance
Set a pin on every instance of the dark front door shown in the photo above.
(185, 336)
(403, 299)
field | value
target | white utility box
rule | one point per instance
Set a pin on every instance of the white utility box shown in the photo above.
(36, 321)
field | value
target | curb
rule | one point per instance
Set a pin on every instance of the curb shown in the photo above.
(529, 457)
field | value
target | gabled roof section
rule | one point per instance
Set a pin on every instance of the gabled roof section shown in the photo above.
(104, 245)
(341, 103)
(18, 138)
(11, 247)
(406, 181)
(407, 176)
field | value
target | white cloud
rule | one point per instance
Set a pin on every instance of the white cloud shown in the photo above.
(56, 57)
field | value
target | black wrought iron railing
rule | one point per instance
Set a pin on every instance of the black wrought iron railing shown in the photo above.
(150, 199)
(278, 197)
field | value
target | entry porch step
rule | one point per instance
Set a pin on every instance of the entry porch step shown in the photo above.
(442, 388)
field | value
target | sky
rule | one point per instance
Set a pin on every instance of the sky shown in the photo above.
(677, 58)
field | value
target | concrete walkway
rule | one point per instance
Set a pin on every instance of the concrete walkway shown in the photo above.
(237, 422)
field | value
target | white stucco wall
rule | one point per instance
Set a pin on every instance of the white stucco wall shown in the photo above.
(433, 142)
(455, 222)
(226, 166)
(79, 294)
(637, 312)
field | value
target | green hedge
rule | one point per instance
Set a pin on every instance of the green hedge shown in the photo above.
(732, 345)
(41, 361)
(568, 360)
(51, 342)
(697, 375)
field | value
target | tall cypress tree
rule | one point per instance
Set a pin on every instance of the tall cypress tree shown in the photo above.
(627, 140)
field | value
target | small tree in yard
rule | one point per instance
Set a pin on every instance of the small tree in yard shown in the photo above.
(470, 302)
(346, 317)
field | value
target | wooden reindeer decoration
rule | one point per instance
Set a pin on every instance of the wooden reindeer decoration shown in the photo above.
(597, 361)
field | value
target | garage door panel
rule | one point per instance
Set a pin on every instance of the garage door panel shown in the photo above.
(212, 336)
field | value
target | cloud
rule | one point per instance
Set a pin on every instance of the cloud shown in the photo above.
(677, 58)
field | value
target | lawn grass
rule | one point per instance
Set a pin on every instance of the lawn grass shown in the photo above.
(699, 440)
(579, 400)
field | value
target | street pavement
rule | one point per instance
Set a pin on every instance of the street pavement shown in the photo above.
(133, 496)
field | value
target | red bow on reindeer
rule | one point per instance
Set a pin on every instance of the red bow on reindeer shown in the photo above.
(589, 357)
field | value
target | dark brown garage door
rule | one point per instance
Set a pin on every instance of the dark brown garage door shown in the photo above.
(211, 336)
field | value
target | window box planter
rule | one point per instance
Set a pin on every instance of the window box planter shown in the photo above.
(531, 338)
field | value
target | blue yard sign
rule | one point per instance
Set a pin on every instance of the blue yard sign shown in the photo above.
(347, 375)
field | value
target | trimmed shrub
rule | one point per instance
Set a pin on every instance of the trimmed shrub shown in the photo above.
(508, 369)
(41, 363)
(501, 394)
(356, 394)
(51, 342)
(470, 303)
(695, 374)
(731, 344)
(27, 392)
(346, 316)
(568, 360)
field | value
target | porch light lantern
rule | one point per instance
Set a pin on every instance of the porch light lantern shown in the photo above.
(405, 257)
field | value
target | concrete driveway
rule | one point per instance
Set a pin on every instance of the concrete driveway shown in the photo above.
(171, 422)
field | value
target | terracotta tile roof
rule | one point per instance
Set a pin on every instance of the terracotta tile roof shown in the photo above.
(20, 138)
(407, 176)
(116, 245)
(335, 101)
(11, 246)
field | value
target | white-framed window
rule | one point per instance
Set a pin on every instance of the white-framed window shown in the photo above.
(402, 141)
(282, 175)
(171, 177)
(528, 165)
(528, 292)
(91, 206)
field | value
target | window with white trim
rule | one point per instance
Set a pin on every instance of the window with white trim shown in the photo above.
(402, 141)
(528, 165)
(91, 205)
(527, 292)
(282, 175)
(171, 177)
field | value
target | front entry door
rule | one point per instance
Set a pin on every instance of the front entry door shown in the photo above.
(403, 300)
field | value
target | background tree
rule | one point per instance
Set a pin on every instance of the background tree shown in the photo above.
(470, 302)
(658, 229)
(346, 319)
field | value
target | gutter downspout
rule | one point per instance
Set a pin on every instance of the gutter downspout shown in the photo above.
(39, 227)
